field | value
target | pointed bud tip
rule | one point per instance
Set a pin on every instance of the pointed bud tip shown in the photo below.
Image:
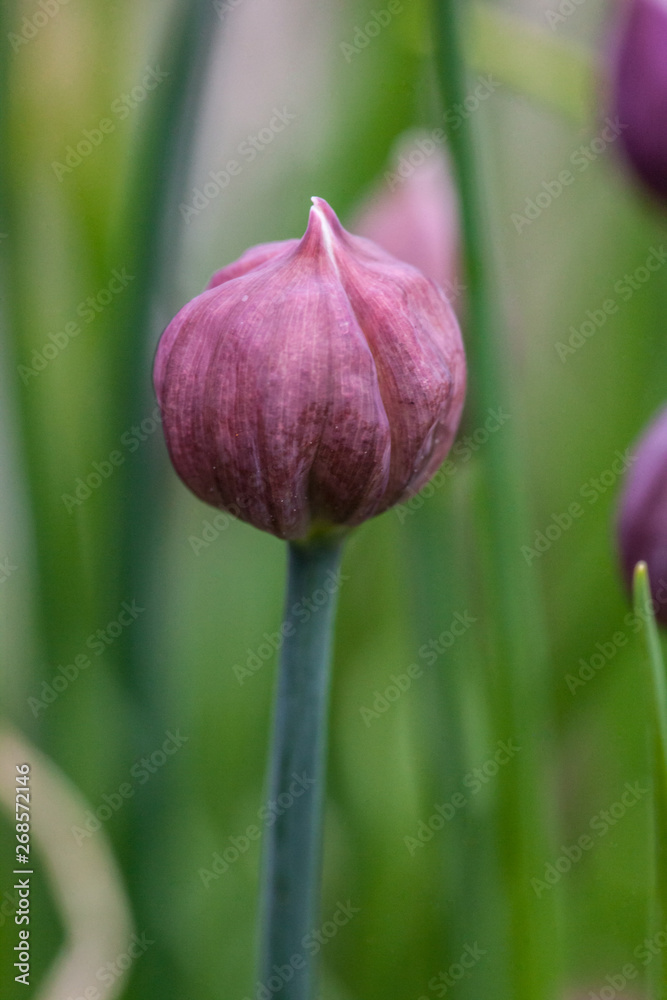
(323, 211)
(323, 227)
(322, 205)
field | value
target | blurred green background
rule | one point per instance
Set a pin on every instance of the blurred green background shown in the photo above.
(110, 242)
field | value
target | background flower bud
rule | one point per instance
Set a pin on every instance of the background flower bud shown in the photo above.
(314, 383)
(642, 528)
(640, 91)
(413, 214)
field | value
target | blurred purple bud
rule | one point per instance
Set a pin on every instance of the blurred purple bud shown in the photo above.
(642, 524)
(414, 215)
(314, 384)
(640, 91)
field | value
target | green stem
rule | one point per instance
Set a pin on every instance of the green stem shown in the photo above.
(455, 735)
(658, 749)
(519, 672)
(292, 863)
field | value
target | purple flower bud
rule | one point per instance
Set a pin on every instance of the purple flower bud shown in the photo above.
(315, 383)
(642, 526)
(414, 215)
(640, 91)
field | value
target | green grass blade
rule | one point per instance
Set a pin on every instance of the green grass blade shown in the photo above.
(151, 240)
(517, 674)
(658, 704)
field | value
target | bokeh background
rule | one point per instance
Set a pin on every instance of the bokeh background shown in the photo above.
(111, 243)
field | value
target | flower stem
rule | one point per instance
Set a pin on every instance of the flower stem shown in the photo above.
(292, 862)
(518, 669)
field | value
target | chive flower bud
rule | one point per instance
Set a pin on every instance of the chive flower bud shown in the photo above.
(314, 384)
(414, 214)
(642, 522)
(640, 91)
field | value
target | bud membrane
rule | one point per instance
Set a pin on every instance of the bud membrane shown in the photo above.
(314, 384)
(640, 91)
(642, 524)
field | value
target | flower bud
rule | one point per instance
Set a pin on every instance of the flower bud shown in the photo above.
(640, 91)
(314, 384)
(642, 523)
(414, 215)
